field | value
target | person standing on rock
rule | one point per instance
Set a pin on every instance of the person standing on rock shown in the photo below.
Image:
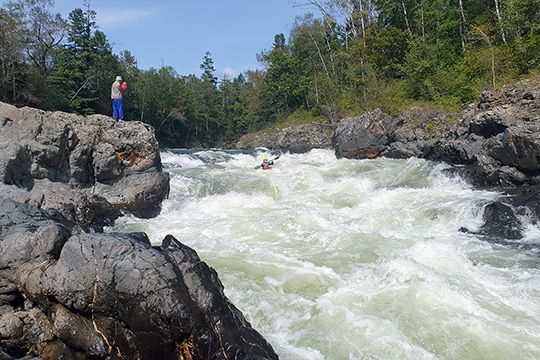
(118, 87)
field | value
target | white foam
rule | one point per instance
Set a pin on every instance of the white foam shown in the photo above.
(180, 160)
(345, 259)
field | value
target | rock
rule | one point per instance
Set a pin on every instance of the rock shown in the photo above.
(77, 207)
(4, 356)
(67, 292)
(143, 198)
(11, 327)
(86, 169)
(77, 331)
(298, 139)
(497, 140)
(370, 152)
(518, 146)
(207, 291)
(489, 124)
(501, 222)
(457, 152)
(362, 137)
(526, 201)
(101, 295)
(399, 150)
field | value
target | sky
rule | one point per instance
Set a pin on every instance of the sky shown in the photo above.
(179, 33)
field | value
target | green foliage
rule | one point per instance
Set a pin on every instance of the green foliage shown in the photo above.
(285, 83)
(279, 42)
(387, 48)
(302, 116)
(421, 64)
(208, 69)
(81, 76)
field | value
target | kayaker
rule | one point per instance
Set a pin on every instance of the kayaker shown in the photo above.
(266, 164)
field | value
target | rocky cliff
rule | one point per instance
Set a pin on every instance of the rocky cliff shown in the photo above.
(496, 139)
(68, 291)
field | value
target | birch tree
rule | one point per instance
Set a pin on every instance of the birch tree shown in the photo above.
(499, 19)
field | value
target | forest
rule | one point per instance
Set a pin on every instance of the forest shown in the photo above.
(342, 58)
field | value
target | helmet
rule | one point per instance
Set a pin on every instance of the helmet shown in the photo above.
(265, 159)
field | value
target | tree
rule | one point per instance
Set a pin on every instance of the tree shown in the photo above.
(45, 31)
(279, 42)
(208, 69)
(11, 50)
(285, 88)
(84, 68)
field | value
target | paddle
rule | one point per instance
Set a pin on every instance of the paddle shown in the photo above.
(277, 157)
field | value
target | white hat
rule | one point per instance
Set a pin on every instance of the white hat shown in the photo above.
(118, 78)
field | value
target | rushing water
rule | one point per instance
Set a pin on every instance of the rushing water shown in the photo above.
(344, 259)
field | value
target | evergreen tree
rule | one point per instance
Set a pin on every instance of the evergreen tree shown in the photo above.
(84, 68)
(279, 42)
(208, 69)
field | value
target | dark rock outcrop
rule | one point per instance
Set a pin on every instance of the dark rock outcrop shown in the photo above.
(500, 222)
(67, 292)
(496, 139)
(362, 137)
(111, 296)
(80, 167)
(302, 138)
(376, 134)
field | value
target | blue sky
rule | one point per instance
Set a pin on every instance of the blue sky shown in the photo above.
(178, 33)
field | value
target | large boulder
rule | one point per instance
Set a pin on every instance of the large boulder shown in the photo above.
(501, 221)
(58, 158)
(111, 296)
(365, 136)
(504, 125)
(517, 146)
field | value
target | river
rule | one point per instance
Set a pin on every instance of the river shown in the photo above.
(346, 259)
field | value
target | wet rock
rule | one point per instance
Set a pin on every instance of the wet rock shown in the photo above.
(526, 201)
(399, 150)
(77, 331)
(370, 152)
(215, 338)
(501, 222)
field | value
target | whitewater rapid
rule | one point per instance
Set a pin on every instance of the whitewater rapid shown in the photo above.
(346, 259)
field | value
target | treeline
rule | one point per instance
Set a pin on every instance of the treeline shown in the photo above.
(353, 56)
(361, 54)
